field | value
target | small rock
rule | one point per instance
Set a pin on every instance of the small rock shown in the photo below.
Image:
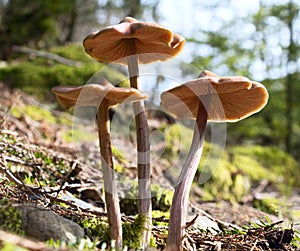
(43, 224)
(203, 222)
(93, 196)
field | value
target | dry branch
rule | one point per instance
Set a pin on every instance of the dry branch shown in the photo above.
(45, 54)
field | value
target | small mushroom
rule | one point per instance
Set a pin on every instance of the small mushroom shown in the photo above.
(132, 42)
(102, 97)
(213, 98)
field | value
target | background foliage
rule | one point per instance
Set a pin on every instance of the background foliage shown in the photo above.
(263, 45)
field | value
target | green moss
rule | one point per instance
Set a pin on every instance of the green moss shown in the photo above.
(118, 168)
(178, 140)
(12, 247)
(269, 205)
(230, 175)
(38, 113)
(251, 167)
(119, 155)
(132, 232)
(96, 229)
(159, 216)
(73, 51)
(78, 134)
(271, 163)
(295, 215)
(128, 204)
(161, 200)
(10, 217)
(39, 75)
(152, 243)
(34, 112)
(216, 173)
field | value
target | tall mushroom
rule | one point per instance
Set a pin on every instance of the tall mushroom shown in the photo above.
(131, 42)
(214, 98)
(102, 97)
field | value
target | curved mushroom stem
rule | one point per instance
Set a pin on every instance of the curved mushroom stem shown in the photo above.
(180, 200)
(143, 146)
(111, 195)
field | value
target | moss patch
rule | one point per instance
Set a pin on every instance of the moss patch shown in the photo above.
(10, 218)
(230, 175)
(178, 140)
(161, 200)
(132, 232)
(38, 75)
(271, 163)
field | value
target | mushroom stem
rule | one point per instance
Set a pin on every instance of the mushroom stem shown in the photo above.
(143, 146)
(111, 195)
(180, 200)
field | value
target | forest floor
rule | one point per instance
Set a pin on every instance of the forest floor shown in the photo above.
(38, 167)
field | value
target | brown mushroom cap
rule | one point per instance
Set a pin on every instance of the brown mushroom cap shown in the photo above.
(108, 45)
(229, 99)
(93, 94)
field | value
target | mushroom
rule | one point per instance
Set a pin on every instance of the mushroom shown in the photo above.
(131, 42)
(102, 97)
(149, 41)
(213, 98)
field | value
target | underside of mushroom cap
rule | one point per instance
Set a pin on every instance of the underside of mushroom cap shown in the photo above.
(109, 44)
(94, 94)
(227, 99)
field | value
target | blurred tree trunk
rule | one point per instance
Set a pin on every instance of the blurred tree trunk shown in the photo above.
(134, 8)
(110, 12)
(71, 24)
(43, 23)
(291, 57)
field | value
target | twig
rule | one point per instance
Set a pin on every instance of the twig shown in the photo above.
(262, 185)
(12, 178)
(191, 240)
(65, 178)
(21, 184)
(70, 203)
(7, 172)
(191, 222)
(45, 54)
(255, 243)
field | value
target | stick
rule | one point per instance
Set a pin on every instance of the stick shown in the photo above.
(44, 54)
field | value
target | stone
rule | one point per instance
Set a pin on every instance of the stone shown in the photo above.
(43, 224)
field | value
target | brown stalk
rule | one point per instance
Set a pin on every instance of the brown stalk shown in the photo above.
(177, 223)
(111, 195)
(143, 145)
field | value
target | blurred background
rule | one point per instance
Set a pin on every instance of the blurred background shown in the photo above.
(259, 39)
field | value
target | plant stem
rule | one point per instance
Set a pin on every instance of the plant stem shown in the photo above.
(180, 200)
(143, 146)
(111, 195)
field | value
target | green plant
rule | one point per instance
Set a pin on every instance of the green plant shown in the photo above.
(96, 229)
(132, 232)
(10, 217)
(296, 240)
